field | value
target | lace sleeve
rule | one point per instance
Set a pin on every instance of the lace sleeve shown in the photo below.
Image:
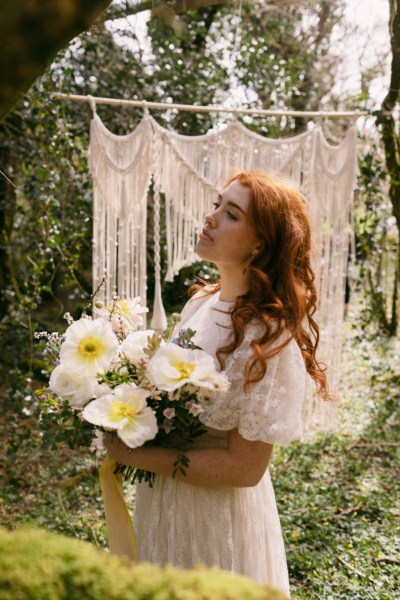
(271, 411)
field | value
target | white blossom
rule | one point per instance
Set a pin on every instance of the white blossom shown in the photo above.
(89, 347)
(125, 315)
(125, 411)
(194, 408)
(134, 345)
(172, 367)
(169, 413)
(102, 389)
(71, 386)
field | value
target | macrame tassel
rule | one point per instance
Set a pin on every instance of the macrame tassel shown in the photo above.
(159, 319)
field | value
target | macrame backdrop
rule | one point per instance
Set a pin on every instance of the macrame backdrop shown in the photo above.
(187, 173)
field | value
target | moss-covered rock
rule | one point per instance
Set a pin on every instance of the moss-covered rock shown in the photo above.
(37, 565)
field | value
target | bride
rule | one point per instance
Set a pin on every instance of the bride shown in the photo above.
(257, 321)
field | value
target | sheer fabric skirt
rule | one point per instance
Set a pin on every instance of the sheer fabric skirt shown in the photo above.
(236, 529)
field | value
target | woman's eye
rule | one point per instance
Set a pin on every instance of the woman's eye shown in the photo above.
(216, 205)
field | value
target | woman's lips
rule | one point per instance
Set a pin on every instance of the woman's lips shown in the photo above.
(204, 235)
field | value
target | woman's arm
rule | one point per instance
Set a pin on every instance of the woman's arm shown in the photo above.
(241, 464)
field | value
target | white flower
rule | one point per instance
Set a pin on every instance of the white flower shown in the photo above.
(126, 412)
(168, 425)
(169, 413)
(194, 408)
(89, 347)
(98, 442)
(71, 386)
(102, 389)
(134, 345)
(125, 315)
(173, 367)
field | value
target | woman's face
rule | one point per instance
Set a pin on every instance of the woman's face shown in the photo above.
(227, 238)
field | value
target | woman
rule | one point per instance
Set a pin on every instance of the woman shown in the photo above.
(223, 512)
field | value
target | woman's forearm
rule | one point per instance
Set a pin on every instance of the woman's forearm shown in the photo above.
(242, 464)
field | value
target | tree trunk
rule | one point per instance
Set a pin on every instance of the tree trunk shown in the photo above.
(391, 138)
(8, 201)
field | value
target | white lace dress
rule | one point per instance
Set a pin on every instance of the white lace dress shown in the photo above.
(236, 529)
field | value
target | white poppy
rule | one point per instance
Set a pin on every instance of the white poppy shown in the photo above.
(125, 315)
(126, 412)
(134, 345)
(173, 367)
(71, 386)
(89, 347)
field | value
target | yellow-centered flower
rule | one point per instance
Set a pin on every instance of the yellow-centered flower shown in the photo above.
(172, 367)
(124, 314)
(125, 411)
(89, 347)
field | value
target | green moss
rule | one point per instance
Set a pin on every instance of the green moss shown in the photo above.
(38, 565)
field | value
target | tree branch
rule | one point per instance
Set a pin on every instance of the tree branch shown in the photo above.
(31, 33)
(385, 116)
(177, 6)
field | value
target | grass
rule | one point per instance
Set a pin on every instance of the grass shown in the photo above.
(337, 493)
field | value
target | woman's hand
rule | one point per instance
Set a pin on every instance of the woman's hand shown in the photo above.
(116, 449)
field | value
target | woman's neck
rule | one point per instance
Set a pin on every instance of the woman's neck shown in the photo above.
(233, 284)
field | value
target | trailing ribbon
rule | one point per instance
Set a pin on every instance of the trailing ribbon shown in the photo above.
(121, 535)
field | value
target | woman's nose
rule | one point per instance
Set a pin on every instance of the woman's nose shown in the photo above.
(210, 219)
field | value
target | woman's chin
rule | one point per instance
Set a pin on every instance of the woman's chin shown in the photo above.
(201, 251)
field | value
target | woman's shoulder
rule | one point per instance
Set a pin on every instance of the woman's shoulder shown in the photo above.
(199, 299)
(290, 349)
(207, 292)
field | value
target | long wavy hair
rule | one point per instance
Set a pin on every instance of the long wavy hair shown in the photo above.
(282, 294)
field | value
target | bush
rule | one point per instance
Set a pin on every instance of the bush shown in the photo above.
(38, 565)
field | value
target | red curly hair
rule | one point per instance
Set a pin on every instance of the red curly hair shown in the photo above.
(282, 293)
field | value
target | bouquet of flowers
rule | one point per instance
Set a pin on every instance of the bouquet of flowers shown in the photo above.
(112, 376)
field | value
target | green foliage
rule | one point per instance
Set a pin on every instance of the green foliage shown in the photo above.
(376, 246)
(35, 565)
(59, 423)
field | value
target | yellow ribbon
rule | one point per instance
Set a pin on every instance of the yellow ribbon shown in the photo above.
(121, 535)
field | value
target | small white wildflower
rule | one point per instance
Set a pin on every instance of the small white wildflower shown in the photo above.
(67, 316)
(169, 413)
(194, 408)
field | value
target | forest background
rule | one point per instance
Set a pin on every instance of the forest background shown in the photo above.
(336, 492)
